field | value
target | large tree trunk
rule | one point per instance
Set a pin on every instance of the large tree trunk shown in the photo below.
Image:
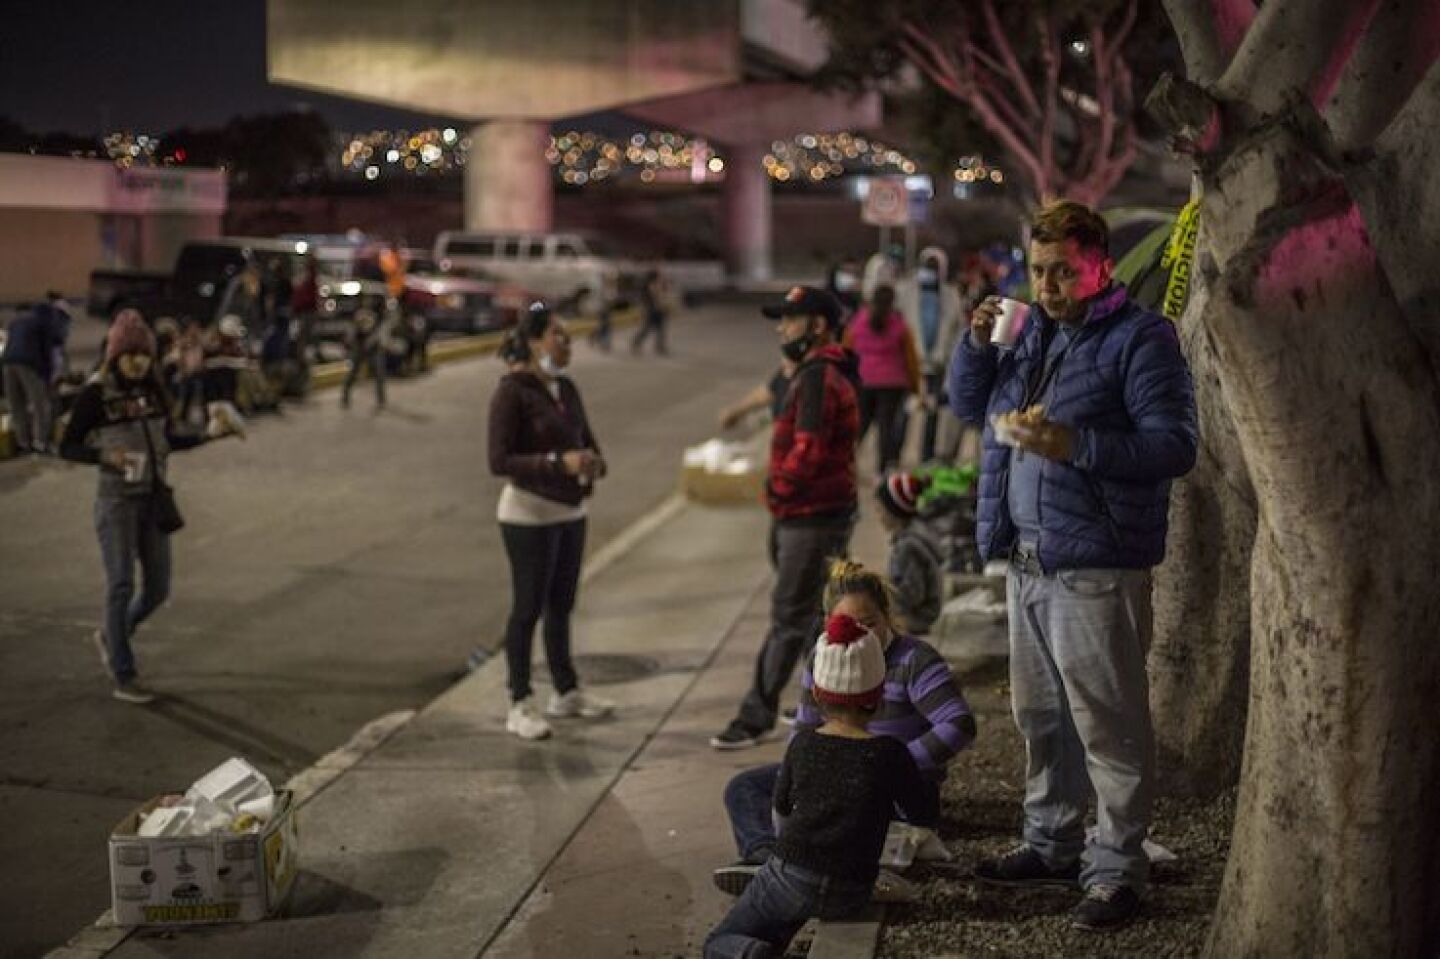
(1200, 663)
(1337, 411)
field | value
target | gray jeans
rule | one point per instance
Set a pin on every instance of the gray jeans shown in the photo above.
(1078, 640)
(31, 409)
(801, 555)
(128, 534)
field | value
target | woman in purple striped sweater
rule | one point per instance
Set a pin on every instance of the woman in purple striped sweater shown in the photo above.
(923, 707)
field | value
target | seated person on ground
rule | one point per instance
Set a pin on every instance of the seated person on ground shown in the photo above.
(835, 791)
(922, 707)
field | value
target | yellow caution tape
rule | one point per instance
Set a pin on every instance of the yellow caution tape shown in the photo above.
(1178, 258)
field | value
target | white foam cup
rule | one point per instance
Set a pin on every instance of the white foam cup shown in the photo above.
(1010, 323)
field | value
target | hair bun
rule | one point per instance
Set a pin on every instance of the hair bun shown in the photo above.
(843, 630)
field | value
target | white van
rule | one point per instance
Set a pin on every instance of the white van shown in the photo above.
(555, 265)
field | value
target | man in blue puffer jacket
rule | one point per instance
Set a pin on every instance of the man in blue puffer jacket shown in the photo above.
(1076, 499)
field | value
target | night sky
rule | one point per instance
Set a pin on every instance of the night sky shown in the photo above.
(92, 66)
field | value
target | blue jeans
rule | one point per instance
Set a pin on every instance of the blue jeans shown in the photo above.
(750, 800)
(126, 528)
(1078, 688)
(776, 905)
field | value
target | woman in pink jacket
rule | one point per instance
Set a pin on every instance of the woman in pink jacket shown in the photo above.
(889, 371)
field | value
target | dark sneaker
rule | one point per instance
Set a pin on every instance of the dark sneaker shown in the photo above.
(1105, 907)
(133, 692)
(735, 878)
(1022, 866)
(737, 735)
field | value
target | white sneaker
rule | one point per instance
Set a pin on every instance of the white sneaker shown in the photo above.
(133, 692)
(578, 705)
(523, 722)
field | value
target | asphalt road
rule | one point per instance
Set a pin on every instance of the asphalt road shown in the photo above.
(336, 567)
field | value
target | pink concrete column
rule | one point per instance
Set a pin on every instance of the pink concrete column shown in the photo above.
(507, 178)
(747, 214)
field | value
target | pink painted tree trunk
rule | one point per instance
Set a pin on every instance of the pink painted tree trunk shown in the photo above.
(1325, 333)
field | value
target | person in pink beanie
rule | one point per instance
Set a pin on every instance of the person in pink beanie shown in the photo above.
(122, 423)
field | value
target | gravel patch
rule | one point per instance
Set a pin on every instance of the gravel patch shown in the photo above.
(957, 918)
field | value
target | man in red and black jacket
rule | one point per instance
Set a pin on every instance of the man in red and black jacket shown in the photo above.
(811, 495)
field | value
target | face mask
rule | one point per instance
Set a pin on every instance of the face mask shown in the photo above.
(549, 366)
(926, 276)
(844, 282)
(795, 350)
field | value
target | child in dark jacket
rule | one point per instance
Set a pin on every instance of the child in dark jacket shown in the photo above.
(837, 788)
(916, 562)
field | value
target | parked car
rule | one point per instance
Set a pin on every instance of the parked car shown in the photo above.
(460, 303)
(554, 265)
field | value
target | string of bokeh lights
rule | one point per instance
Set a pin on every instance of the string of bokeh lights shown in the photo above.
(585, 157)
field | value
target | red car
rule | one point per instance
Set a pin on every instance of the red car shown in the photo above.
(456, 303)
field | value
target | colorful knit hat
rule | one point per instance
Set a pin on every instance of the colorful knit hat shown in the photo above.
(129, 333)
(849, 665)
(900, 493)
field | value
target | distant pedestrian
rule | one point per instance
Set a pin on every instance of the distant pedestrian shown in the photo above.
(121, 422)
(811, 496)
(305, 307)
(932, 306)
(189, 364)
(32, 344)
(889, 372)
(609, 295)
(916, 565)
(655, 305)
(367, 349)
(835, 791)
(844, 283)
(880, 270)
(542, 443)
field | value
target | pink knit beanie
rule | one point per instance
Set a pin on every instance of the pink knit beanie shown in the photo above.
(129, 333)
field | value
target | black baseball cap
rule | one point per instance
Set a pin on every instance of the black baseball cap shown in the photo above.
(807, 301)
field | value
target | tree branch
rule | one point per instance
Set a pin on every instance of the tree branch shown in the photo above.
(1050, 60)
(1007, 54)
(1102, 55)
(1127, 23)
(1210, 31)
(1391, 59)
(933, 60)
(1294, 45)
(1003, 104)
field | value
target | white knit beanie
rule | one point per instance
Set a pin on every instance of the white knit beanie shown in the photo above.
(849, 666)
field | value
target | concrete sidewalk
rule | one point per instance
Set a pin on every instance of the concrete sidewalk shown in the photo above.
(430, 844)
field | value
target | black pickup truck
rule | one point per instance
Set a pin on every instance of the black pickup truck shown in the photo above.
(207, 273)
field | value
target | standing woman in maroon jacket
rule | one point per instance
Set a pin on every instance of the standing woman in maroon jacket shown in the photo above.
(541, 442)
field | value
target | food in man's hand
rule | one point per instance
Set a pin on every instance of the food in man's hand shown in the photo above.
(1007, 423)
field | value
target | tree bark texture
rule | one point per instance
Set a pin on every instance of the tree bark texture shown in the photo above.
(1336, 407)
(1200, 662)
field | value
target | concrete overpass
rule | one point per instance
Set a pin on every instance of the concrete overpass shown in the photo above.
(732, 71)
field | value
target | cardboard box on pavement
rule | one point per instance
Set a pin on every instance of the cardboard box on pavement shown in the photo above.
(721, 488)
(723, 473)
(221, 877)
